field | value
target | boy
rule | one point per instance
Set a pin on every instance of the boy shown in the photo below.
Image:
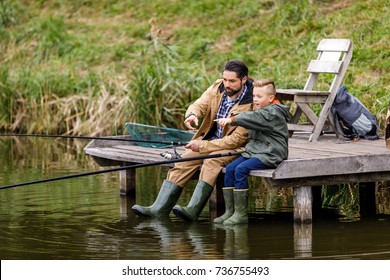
(268, 147)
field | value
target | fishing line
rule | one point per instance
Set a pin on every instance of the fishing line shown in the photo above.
(97, 138)
(119, 169)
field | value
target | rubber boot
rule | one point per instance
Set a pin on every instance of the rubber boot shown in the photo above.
(197, 202)
(166, 199)
(229, 205)
(240, 215)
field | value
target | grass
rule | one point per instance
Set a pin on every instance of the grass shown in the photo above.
(87, 67)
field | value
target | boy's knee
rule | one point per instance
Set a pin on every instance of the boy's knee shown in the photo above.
(242, 170)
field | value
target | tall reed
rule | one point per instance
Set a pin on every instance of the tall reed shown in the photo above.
(163, 86)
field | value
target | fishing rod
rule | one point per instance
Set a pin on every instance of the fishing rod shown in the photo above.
(119, 169)
(97, 138)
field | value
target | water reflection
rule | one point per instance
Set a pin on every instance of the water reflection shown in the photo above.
(303, 240)
(86, 218)
(383, 197)
(236, 246)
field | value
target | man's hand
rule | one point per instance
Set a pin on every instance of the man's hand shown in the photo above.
(191, 119)
(223, 121)
(193, 145)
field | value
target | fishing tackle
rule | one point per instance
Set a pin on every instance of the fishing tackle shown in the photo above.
(170, 155)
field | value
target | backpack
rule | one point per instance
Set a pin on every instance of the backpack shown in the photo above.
(352, 118)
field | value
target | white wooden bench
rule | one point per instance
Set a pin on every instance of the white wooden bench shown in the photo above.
(333, 58)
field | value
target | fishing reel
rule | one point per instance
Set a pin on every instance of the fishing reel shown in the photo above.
(170, 155)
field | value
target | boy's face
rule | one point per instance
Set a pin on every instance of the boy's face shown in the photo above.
(261, 97)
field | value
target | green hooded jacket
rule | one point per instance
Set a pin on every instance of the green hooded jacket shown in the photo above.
(268, 133)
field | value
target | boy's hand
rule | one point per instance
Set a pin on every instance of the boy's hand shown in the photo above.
(224, 121)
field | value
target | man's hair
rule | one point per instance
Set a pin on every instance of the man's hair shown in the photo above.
(236, 66)
(266, 83)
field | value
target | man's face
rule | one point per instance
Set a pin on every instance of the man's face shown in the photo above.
(233, 84)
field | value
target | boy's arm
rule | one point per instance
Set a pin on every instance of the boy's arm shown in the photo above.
(257, 120)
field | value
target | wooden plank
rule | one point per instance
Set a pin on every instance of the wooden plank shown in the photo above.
(310, 98)
(332, 166)
(301, 92)
(308, 112)
(320, 66)
(294, 154)
(117, 155)
(300, 127)
(365, 147)
(334, 45)
(361, 147)
(136, 153)
(326, 150)
(268, 173)
(259, 173)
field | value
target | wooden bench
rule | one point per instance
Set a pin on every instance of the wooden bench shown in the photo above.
(333, 59)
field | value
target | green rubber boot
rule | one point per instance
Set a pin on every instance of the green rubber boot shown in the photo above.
(240, 215)
(166, 199)
(229, 205)
(198, 200)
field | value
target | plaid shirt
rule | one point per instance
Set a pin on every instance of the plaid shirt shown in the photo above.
(224, 109)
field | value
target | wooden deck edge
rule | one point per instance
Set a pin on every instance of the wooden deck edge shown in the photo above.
(330, 180)
(302, 168)
(267, 173)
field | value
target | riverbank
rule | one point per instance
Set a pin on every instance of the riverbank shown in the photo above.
(87, 67)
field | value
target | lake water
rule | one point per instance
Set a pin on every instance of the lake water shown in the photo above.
(86, 218)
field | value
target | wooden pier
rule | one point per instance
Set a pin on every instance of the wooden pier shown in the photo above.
(328, 161)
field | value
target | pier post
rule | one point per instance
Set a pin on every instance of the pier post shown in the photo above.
(303, 201)
(126, 202)
(127, 181)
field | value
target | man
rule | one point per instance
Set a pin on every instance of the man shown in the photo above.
(224, 98)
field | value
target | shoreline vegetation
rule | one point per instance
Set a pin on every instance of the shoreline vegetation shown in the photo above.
(87, 67)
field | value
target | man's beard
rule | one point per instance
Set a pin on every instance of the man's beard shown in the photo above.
(234, 91)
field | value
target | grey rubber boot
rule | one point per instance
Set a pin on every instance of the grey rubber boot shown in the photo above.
(197, 202)
(240, 215)
(229, 205)
(166, 199)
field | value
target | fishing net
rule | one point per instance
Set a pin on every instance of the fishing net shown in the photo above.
(155, 133)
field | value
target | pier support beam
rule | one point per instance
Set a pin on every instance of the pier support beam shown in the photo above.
(126, 202)
(303, 204)
(127, 181)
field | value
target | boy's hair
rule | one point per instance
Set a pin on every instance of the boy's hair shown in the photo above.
(266, 83)
(236, 66)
